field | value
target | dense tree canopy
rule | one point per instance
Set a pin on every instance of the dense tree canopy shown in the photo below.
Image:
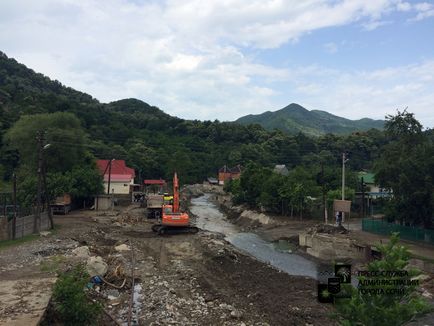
(80, 129)
(406, 167)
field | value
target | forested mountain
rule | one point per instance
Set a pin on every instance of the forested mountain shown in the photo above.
(156, 143)
(294, 118)
(80, 129)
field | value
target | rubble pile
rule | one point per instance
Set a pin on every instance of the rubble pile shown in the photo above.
(327, 228)
(178, 298)
(128, 219)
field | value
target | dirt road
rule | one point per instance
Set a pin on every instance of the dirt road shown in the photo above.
(185, 279)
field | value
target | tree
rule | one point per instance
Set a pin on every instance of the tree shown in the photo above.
(406, 168)
(61, 130)
(393, 308)
(70, 167)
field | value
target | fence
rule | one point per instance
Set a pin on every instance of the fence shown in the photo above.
(24, 225)
(405, 232)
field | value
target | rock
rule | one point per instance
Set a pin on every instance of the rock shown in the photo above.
(44, 233)
(96, 266)
(421, 277)
(236, 314)
(82, 252)
(426, 294)
(122, 247)
(113, 292)
(226, 306)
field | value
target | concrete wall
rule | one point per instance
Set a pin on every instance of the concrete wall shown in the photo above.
(331, 247)
(103, 202)
(118, 187)
(24, 226)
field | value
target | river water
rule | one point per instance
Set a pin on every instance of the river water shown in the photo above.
(211, 219)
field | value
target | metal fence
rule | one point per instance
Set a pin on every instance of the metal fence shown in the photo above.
(405, 232)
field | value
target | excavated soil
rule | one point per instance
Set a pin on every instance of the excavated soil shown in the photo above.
(184, 279)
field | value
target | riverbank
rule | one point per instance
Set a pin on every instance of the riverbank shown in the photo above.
(182, 279)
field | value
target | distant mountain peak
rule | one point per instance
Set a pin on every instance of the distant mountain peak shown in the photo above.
(294, 106)
(294, 118)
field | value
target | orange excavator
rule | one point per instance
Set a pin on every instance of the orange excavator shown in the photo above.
(173, 221)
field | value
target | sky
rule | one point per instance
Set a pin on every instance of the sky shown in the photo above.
(223, 59)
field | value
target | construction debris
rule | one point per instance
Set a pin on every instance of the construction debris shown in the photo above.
(327, 228)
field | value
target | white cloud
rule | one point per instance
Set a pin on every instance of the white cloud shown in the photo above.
(423, 10)
(194, 58)
(370, 93)
(372, 25)
(403, 6)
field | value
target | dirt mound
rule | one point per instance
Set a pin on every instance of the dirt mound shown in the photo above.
(327, 228)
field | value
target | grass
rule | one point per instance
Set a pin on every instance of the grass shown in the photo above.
(31, 237)
(10, 243)
(52, 264)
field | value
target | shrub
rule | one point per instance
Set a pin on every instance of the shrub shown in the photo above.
(380, 309)
(70, 300)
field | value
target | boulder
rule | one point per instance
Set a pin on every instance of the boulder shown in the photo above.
(236, 314)
(82, 252)
(96, 266)
(122, 247)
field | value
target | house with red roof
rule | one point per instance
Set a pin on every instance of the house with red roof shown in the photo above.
(121, 176)
(226, 173)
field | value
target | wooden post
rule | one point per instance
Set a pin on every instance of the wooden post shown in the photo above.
(109, 177)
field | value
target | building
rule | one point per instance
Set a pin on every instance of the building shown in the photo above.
(121, 177)
(372, 195)
(281, 169)
(226, 173)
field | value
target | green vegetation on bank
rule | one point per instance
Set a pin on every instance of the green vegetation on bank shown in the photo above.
(396, 307)
(9, 243)
(71, 303)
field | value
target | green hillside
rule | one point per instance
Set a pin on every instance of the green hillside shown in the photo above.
(151, 141)
(294, 118)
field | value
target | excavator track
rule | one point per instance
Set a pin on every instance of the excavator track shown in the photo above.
(171, 230)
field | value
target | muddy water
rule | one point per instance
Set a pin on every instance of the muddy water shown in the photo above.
(211, 219)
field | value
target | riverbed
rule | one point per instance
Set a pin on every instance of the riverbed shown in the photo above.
(210, 218)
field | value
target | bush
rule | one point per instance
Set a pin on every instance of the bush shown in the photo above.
(380, 309)
(70, 300)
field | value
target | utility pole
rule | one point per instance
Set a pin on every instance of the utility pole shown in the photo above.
(14, 221)
(324, 203)
(109, 176)
(363, 198)
(344, 160)
(37, 220)
(47, 195)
